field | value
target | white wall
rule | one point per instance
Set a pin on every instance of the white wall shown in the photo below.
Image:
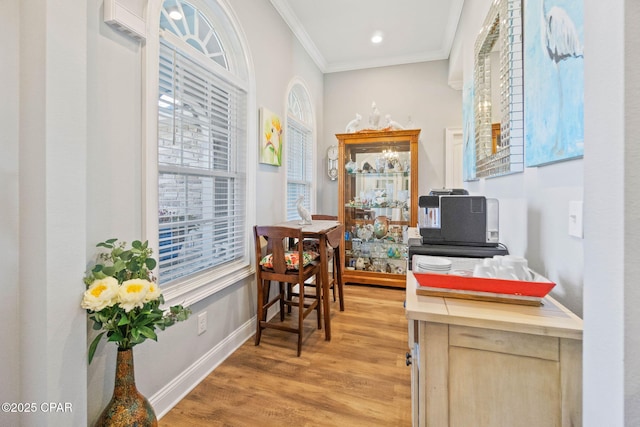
(612, 214)
(50, 118)
(9, 291)
(418, 90)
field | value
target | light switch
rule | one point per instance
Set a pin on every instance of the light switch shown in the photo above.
(575, 219)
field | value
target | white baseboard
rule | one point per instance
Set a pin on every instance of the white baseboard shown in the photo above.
(172, 393)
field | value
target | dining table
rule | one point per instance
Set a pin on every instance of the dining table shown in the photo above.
(318, 229)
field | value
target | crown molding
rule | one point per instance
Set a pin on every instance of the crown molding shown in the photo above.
(290, 18)
(301, 34)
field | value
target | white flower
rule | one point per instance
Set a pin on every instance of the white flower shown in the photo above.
(102, 293)
(154, 292)
(132, 293)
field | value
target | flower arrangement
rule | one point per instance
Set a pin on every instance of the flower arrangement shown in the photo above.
(122, 297)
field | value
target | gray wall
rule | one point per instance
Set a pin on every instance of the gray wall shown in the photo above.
(71, 173)
(418, 90)
(180, 358)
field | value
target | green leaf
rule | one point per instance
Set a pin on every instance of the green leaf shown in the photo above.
(97, 268)
(136, 244)
(94, 346)
(124, 320)
(99, 275)
(116, 336)
(134, 266)
(119, 265)
(148, 332)
(150, 263)
(183, 315)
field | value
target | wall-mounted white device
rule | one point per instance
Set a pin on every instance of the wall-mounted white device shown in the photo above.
(119, 16)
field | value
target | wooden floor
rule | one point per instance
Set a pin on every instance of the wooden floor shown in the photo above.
(359, 378)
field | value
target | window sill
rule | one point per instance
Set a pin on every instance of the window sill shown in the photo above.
(190, 291)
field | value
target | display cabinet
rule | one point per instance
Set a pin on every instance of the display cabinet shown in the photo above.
(377, 202)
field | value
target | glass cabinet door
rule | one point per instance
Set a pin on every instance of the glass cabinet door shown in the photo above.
(378, 204)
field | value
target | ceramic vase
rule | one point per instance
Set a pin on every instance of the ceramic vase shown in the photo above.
(380, 226)
(127, 406)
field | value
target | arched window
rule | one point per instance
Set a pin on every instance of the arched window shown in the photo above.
(201, 147)
(299, 143)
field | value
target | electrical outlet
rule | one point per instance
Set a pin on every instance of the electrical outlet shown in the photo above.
(202, 322)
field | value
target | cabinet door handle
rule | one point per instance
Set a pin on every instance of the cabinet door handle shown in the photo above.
(408, 360)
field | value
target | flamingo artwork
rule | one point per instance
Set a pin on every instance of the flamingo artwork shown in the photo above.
(554, 100)
(561, 37)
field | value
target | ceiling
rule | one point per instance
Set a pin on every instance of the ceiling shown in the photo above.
(337, 33)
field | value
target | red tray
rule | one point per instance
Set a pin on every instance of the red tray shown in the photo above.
(486, 289)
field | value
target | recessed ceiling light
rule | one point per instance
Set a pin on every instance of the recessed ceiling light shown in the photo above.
(175, 14)
(377, 37)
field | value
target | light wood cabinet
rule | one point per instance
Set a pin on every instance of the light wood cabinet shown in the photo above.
(378, 186)
(493, 364)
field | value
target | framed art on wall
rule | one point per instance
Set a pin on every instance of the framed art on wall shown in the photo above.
(554, 84)
(270, 138)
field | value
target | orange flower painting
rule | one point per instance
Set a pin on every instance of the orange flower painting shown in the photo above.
(271, 138)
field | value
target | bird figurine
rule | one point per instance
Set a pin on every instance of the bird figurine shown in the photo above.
(352, 126)
(305, 215)
(374, 118)
(392, 124)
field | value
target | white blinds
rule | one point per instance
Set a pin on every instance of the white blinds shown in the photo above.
(201, 168)
(299, 167)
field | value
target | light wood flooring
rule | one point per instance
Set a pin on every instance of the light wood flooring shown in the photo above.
(359, 378)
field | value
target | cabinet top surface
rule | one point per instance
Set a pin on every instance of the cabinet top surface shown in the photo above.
(379, 134)
(550, 319)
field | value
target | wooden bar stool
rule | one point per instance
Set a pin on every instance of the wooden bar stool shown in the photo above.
(334, 238)
(285, 267)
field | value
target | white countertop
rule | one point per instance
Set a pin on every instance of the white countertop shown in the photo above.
(550, 319)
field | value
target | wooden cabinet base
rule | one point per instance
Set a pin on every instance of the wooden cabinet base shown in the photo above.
(488, 364)
(373, 278)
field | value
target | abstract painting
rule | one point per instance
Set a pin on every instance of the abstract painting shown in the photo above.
(270, 138)
(468, 134)
(554, 81)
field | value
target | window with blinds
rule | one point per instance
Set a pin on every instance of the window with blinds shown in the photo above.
(201, 167)
(299, 167)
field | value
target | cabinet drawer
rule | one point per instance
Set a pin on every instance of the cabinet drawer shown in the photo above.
(538, 346)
